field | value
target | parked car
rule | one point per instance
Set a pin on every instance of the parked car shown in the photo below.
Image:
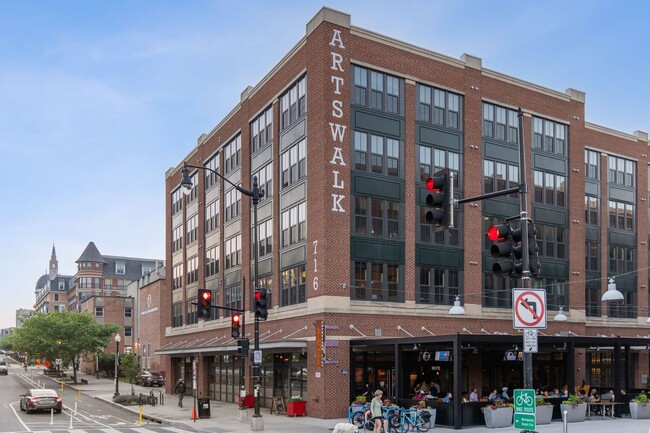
(4, 370)
(149, 378)
(41, 399)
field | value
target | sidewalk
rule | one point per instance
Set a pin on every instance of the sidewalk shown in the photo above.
(224, 416)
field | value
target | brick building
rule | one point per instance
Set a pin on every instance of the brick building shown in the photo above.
(342, 135)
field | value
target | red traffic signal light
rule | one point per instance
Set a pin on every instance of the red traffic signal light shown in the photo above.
(205, 304)
(261, 313)
(499, 232)
(235, 324)
(438, 199)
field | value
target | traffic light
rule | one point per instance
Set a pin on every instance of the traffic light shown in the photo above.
(437, 199)
(205, 304)
(533, 249)
(261, 312)
(235, 325)
(507, 250)
(243, 344)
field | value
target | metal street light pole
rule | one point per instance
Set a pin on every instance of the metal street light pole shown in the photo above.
(255, 194)
(117, 364)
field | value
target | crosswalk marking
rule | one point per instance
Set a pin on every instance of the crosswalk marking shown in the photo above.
(174, 429)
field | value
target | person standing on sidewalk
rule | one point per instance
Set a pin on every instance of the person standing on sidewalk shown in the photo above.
(180, 391)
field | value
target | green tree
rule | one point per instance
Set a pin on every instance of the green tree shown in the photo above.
(130, 367)
(64, 335)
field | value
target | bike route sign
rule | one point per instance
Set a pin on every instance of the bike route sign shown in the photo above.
(525, 409)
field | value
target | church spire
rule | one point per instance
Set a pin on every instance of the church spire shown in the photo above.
(54, 264)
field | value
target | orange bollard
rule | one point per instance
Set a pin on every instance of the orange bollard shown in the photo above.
(194, 417)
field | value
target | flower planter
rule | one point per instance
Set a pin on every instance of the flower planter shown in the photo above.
(544, 414)
(639, 410)
(575, 412)
(432, 413)
(500, 417)
(296, 408)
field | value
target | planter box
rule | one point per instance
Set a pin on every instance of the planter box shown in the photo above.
(575, 413)
(296, 408)
(639, 410)
(501, 417)
(432, 412)
(544, 414)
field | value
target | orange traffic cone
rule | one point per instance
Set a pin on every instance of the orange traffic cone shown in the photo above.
(194, 417)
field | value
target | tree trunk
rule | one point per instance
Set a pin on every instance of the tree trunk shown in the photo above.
(75, 367)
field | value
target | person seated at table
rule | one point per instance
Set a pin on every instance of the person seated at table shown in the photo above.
(473, 396)
(545, 394)
(447, 398)
(494, 396)
(504, 394)
(583, 395)
(594, 398)
(422, 388)
(556, 393)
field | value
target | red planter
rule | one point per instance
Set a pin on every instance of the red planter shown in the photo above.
(249, 401)
(296, 408)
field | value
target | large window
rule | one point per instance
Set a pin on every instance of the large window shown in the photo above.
(556, 292)
(294, 227)
(432, 160)
(212, 216)
(232, 154)
(377, 154)
(593, 294)
(293, 104)
(377, 218)
(549, 136)
(377, 282)
(498, 176)
(192, 229)
(293, 164)
(377, 90)
(262, 130)
(551, 241)
(621, 171)
(232, 204)
(621, 215)
(177, 314)
(549, 188)
(621, 259)
(265, 179)
(438, 286)
(439, 107)
(233, 252)
(592, 164)
(497, 290)
(177, 201)
(592, 210)
(189, 198)
(500, 123)
(233, 297)
(592, 256)
(192, 274)
(177, 277)
(265, 238)
(293, 290)
(212, 261)
(211, 179)
(190, 307)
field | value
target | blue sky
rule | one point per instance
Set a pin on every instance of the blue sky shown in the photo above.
(99, 98)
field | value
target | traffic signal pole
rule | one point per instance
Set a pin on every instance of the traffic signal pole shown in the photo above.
(525, 276)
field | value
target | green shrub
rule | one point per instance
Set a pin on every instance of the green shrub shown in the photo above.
(641, 398)
(541, 402)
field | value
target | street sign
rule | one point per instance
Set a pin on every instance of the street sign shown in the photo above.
(524, 409)
(530, 341)
(257, 356)
(529, 308)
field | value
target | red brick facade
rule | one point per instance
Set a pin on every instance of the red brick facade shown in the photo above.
(325, 55)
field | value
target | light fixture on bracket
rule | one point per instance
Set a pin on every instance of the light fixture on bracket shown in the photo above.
(560, 317)
(457, 309)
(612, 294)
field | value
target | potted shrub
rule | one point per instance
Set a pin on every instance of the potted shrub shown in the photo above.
(498, 414)
(640, 407)
(576, 408)
(296, 406)
(543, 411)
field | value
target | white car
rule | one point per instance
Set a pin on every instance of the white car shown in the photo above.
(4, 370)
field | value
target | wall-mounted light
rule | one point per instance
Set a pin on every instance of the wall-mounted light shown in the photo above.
(576, 170)
(576, 221)
(575, 273)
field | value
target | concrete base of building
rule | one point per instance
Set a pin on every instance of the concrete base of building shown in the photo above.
(257, 423)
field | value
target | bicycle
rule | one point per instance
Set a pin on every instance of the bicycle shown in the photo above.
(524, 400)
(420, 421)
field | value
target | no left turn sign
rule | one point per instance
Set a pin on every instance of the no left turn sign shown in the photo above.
(529, 308)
